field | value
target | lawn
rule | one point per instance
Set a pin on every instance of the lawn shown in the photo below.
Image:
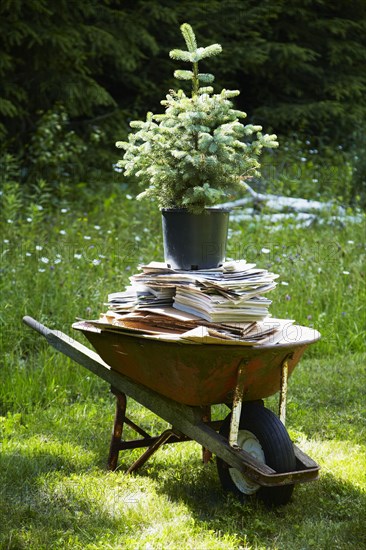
(59, 263)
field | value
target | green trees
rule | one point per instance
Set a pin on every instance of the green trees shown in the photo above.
(70, 53)
(316, 68)
(299, 64)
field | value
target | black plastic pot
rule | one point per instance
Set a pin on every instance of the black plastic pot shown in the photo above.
(195, 241)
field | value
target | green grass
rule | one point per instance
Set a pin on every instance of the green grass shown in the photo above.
(56, 418)
(54, 478)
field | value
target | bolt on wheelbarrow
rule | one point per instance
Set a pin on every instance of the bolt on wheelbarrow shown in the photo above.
(181, 381)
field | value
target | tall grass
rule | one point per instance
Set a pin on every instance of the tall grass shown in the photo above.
(59, 260)
(60, 264)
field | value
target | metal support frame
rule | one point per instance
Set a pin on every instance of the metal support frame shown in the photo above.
(283, 391)
(152, 442)
(161, 440)
(119, 420)
(237, 406)
(206, 417)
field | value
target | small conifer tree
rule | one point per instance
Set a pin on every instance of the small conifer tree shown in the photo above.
(197, 152)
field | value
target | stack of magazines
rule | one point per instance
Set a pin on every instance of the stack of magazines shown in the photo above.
(233, 292)
(221, 305)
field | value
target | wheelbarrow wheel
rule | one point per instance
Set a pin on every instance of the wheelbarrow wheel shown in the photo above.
(262, 435)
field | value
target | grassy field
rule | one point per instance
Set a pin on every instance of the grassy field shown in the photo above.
(55, 418)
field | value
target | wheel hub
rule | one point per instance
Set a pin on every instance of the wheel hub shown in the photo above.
(248, 442)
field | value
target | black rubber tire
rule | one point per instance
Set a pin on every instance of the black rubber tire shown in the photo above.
(277, 448)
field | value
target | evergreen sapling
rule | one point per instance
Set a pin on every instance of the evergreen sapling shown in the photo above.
(197, 152)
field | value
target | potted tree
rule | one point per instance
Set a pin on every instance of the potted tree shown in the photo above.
(191, 157)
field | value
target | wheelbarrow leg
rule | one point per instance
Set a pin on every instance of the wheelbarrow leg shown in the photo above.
(206, 453)
(119, 419)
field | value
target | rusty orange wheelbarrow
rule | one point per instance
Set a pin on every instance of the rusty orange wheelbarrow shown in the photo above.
(181, 381)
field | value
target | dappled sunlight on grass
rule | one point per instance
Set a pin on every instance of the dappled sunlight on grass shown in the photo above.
(62, 496)
(344, 460)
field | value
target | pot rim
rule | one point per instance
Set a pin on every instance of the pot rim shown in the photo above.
(207, 208)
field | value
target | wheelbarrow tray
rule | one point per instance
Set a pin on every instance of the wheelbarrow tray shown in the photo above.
(198, 374)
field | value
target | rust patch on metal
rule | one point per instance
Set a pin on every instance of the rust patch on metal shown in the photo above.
(283, 388)
(195, 375)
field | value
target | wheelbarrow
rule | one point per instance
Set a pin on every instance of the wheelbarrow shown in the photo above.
(181, 381)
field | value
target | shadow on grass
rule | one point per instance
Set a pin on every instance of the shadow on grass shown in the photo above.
(50, 500)
(87, 425)
(328, 513)
(46, 503)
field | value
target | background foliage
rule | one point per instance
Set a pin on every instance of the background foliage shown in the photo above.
(300, 66)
